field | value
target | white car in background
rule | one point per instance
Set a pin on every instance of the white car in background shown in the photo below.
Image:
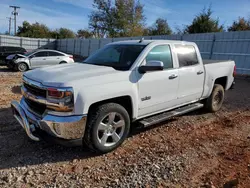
(37, 59)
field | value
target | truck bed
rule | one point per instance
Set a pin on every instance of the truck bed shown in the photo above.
(209, 61)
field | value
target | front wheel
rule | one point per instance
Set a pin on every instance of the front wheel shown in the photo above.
(215, 100)
(22, 67)
(108, 126)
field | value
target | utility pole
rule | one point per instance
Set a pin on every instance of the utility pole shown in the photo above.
(9, 18)
(15, 13)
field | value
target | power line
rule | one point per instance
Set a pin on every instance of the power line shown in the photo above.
(15, 13)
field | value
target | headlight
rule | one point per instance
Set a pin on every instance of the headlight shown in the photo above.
(64, 98)
(58, 94)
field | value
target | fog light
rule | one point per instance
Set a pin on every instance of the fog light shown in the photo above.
(57, 129)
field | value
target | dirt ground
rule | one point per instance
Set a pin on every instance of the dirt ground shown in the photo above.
(196, 150)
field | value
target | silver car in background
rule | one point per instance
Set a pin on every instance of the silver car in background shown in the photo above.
(37, 59)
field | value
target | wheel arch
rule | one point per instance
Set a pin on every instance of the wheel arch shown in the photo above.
(221, 81)
(125, 101)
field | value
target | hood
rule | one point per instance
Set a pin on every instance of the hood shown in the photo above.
(10, 57)
(67, 75)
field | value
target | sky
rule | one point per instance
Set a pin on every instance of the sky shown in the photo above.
(73, 14)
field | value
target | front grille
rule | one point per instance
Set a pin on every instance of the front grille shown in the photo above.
(35, 106)
(35, 90)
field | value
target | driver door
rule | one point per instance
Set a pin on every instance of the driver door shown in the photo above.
(38, 59)
(158, 89)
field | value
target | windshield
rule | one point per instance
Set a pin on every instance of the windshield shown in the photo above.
(29, 53)
(120, 57)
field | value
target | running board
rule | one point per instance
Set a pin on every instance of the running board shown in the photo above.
(166, 115)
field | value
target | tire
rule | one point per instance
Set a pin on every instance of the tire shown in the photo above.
(62, 62)
(108, 119)
(216, 99)
(22, 67)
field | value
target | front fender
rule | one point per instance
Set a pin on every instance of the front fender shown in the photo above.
(22, 60)
(85, 97)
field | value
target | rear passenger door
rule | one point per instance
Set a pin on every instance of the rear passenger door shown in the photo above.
(191, 73)
(54, 58)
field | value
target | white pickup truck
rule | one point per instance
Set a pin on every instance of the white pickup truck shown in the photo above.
(95, 102)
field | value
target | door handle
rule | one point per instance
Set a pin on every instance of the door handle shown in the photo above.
(200, 72)
(44, 59)
(173, 76)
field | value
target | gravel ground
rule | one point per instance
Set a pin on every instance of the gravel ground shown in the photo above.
(195, 150)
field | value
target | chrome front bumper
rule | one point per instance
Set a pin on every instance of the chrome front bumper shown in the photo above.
(64, 127)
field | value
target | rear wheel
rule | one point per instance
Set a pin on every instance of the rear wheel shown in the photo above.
(107, 128)
(216, 99)
(22, 67)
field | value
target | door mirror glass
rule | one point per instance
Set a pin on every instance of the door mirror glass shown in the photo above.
(151, 66)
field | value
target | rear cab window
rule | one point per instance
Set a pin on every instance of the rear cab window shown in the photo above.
(187, 55)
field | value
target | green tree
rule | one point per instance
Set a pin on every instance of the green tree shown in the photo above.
(204, 23)
(160, 27)
(130, 19)
(240, 25)
(37, 30)
(123, 18)
(54, 34)
(102, 20)
(84, 33)
(64, 33)
(34, 30)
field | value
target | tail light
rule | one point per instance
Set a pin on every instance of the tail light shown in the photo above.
(234, 73)
(71, 57)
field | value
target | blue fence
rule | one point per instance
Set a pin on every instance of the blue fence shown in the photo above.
(27, 43)
(222, 46)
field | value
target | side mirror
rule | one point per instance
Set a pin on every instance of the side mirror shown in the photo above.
(32, 56)
(151, 66)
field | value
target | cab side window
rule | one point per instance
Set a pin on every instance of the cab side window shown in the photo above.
(40, 54)
(161, 53)
(187, 55)
(55, 54)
